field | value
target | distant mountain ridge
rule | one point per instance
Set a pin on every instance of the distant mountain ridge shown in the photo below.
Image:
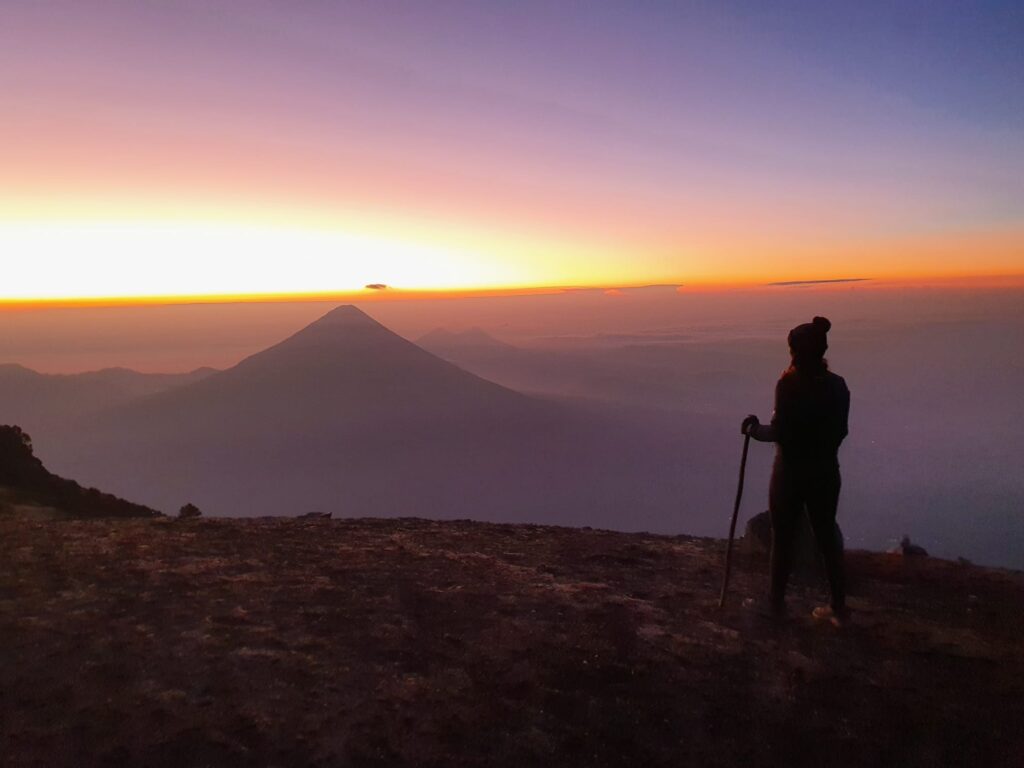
(476, 337)
(43, 401)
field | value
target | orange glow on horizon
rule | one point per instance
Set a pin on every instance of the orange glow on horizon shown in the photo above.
(968, 281)
(361, 296)
(370, 151)
(158, 252)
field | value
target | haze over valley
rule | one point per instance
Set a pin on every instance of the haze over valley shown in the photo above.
(586, 409)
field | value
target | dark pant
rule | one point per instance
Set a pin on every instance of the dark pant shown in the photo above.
(794, 487)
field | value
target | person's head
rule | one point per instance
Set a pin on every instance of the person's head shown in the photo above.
(808, 344)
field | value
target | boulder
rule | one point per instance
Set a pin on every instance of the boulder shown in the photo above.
(757, 539)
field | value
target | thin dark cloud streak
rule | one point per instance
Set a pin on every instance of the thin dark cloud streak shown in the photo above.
(820, 282)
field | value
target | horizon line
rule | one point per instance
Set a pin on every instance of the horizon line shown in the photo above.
(376, 292)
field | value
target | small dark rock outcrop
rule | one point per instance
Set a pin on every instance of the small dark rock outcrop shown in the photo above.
(189, 512)
(26, 483)
(908, 548)
(315, 516)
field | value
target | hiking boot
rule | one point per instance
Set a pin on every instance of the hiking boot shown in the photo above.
(836, 617)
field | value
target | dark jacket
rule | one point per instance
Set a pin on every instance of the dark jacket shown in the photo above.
(810, 419)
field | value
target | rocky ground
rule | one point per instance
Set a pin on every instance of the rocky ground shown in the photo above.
(410, 642)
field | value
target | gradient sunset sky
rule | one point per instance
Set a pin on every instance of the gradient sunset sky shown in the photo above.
(224, 148)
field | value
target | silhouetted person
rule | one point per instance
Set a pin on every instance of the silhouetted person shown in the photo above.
(812, 406)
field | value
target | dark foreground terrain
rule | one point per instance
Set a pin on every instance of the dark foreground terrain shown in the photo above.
(408, 642)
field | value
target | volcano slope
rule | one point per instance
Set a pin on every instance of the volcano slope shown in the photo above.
(408, 642)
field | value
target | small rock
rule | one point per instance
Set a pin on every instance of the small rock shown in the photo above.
(908, 549)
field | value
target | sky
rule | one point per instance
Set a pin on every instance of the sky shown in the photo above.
(239, 149)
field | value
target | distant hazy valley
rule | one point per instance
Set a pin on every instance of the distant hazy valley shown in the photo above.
(632, 431)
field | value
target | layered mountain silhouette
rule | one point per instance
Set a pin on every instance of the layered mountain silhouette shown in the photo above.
(346, 416)
(28, 488)
(619, 368)
(40, 402)
(442, 339)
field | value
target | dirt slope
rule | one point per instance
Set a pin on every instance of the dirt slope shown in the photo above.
(28, 489)
(409, 642)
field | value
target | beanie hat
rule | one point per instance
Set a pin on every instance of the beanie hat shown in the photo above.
(809, 339)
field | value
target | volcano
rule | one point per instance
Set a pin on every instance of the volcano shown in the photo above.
(346, 416)
(342, 371)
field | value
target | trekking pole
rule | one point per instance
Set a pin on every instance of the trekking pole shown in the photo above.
(732, 525)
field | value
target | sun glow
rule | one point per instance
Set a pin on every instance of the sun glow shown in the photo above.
(140, 259)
